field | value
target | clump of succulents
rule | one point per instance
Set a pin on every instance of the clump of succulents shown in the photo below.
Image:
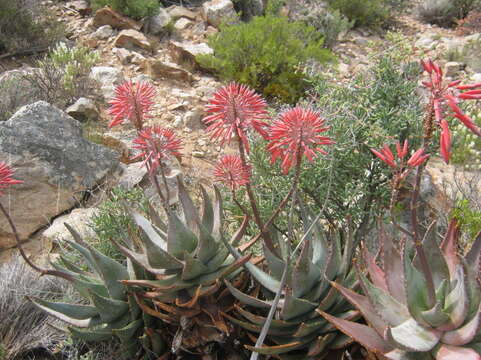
(405, 320)
(298, 329)
(188, 259)
(111, 309)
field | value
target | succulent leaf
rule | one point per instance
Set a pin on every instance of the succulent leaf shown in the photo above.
(74, 311)
(449, 352)
(410, 335)
(109, 309)
(361, 333)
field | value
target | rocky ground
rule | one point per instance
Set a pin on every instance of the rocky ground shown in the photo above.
(163, 54)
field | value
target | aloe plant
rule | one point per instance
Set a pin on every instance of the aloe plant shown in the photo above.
(111, 310)
(188, 258)
(298, 329)
(403, 323)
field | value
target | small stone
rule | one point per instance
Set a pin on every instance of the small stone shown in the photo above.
(124, 55)
(198, 154)
(193, 119)
(217, 12)
(103, 32)
(453, 68)
(81, 6)
(159, 69)
(132, 38)
(182, 24)
(108, 78)
(137, 58)
(143, 78)
(177, 12)
(132, 175)
(178, 122)
(108, 16)
(83, 109)
(476, 78)
(186, 52)
(201, 142)
(177, 106)
(425, 43)
(156, 24)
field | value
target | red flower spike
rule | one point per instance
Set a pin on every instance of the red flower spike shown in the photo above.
(235, 109)
(230, 171)
(386, 155)
(401, 153)
(385, 159)
(297, 133)
(445, 141)
(132, 102)
(417, 158)
(157, 143)
(445, 99)
(6, 177)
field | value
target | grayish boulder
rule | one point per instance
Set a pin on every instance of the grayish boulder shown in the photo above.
(57, 165)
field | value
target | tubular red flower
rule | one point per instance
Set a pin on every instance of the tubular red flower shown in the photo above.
(6, 177)
(157, 143)
(230, 171)
(295, 134)
(132, 102)
(387, 156)
(417, 158)
(445, 141)
(447, 96)
(234, 110)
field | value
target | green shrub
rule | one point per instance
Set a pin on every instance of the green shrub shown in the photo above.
(446, 12)
(378, 107)
(27, 25)
(372, 13)
(62, 76)
(267, 54)
(469, 217)
(466, 148)
(136, 9)
(329, 22)
(113, 221)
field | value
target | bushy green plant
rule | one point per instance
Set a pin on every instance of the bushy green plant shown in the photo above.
(27, 25)
(112, 219)
(76, 62)
(62, 76)
(371, 108)
(372, 13)
(468, 217)
(446, 12)
(136, 9)
(466, 150)
(329, 22)
(267, 54)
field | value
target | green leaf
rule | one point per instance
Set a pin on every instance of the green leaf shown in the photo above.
(387, 307)
(415, 288)
(449, 352)
(82, 323)
(294, 307)
(207, 247)
(91, 334)
(304, 274)
(75, 311)
(464, 334)
(193, 268)
(393, 267)
(180, 239)
(109, 309)
(190, 212)
(412, 336)
(456, 301)
(247, 299)
(207, 212)
(363, 334)
(128, 332)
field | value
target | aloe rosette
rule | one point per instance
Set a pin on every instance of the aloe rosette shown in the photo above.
(188, 260)
(298, 331)
(404, 322)
(111, 310)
